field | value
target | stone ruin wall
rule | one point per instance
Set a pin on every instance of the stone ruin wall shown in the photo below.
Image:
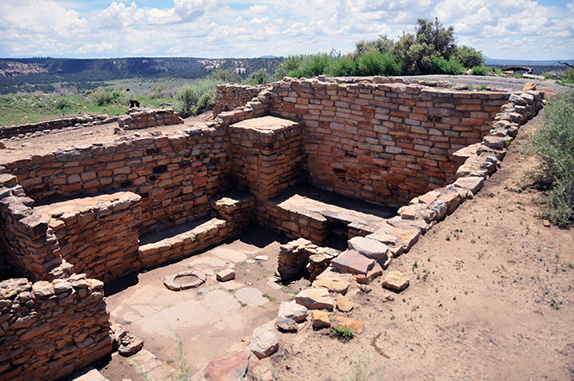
(383, 142)
(174, 175)
(230, 96)
(49, 329)
(45, 127)
(149, 118)
(172, 178)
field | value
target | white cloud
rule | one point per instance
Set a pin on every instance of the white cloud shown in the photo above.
(210, 28)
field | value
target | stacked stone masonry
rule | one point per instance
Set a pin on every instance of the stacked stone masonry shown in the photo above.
(149, 118)
(49, 329)
(230, 96)
(374, 139)
(98, 235)
(383, 142)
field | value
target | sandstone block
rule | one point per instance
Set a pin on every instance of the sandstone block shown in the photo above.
(315, 298)
(344, 304)
(225, 275)
(370, 248)
(293, 310)
(264, 341)
(321, 319)
(228, 367)
(395, 281)
(334, 285)
(356, 326)
(352, 262)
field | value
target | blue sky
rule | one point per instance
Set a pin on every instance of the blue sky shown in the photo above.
(503, 29)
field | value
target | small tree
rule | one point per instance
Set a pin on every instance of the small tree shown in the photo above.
(469, 57)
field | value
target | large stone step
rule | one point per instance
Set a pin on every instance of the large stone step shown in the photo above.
(181, 241)
(313, 214)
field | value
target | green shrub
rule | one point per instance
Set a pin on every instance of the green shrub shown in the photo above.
(375, 63)
(196, 98)
(63, 102)
(104, 96)
(344, 67)
(342, 332)
(442, 66)
(469, 57)
(479, 70)
(316, 64)
(555, 175)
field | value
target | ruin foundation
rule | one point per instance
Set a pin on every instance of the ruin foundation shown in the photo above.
(105, 210)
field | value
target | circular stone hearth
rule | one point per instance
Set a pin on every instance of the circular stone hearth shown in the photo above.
(184, 280)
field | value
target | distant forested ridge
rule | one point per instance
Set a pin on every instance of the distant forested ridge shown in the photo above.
(43, 73)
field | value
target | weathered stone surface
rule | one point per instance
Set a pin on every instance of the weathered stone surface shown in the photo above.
(344, 304)
(352, 262)
(260, 370)
(251, 297)
(334, 285)
(129, 345)
(225, 275)
(264, 341)
(229, 367)
(341, 321)
(286, 324)
(396, 281)
(315, 298)
(293, 310)
(321, 319)
(471, 183)
(374, 273)
(370, 248)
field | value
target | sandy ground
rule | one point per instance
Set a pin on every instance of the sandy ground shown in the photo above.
(497, 302)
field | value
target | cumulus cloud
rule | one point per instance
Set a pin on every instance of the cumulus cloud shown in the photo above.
(214, 28)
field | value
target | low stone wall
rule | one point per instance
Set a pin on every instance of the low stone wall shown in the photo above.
(27, 245)
(50, 329)
(175, 175)
(98, 235)
(45, 127)
(230, 96)
(149, 118)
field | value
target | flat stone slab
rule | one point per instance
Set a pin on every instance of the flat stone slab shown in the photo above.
(471, 183)
(315, 299)
(251, 297)
(184, 280)
(396, 281)
(370, 248)
(352, 262)
(229, 255)
(334, 285)
(231, 285)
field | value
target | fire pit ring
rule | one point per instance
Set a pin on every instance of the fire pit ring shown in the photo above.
(184, 280)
